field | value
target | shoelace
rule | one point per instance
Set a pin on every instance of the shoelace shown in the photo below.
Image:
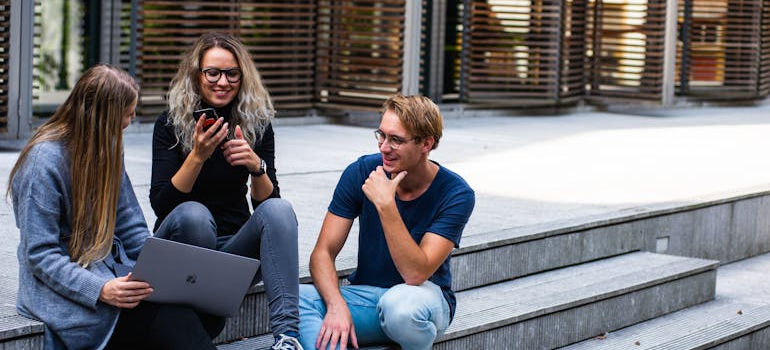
(286, 343)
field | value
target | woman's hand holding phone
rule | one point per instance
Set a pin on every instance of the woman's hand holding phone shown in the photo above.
(205, 139)
(208, 114)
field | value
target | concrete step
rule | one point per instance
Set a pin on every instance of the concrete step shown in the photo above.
(17, 332)
(739, 318)
(563, 306)
(721, 324)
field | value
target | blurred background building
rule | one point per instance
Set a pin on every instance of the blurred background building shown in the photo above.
(329, 57)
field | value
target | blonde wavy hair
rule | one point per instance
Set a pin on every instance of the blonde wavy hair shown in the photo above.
(90, 123)
(252, 109)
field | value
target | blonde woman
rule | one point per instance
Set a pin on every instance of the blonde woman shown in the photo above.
(81, 227)
(204, 175)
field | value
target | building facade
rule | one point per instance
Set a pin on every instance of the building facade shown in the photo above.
(328, 56)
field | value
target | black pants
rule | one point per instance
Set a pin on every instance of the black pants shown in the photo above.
(164, 327)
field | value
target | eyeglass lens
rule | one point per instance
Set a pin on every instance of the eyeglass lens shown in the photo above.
(393, 141)
(233, 75)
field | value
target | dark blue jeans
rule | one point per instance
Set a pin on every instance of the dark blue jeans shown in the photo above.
(270, 235)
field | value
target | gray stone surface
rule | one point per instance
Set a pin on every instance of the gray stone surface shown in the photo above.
(739, 317)
(568, 287)
(699, 327)
(556, 308)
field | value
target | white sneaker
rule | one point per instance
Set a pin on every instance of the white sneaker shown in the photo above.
(286, 342)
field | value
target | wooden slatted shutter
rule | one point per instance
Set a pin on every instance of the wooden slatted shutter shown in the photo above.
(281, 38)
(512, 55)
(278, 34)
(742, 49)
(5, 48)
(720, 51)
(626, 48)
(360, 50)
(764, 66)
(36, 39)
(573, 77)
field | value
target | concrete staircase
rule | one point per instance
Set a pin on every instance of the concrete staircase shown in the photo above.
(578, 284)
(595, 282)
(559, 307)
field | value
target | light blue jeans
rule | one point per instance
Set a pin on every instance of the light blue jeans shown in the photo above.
(411, 316)
(270, 235)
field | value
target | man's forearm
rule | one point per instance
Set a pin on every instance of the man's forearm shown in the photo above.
(324, 274)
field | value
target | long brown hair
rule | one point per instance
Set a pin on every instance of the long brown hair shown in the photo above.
(252, 109)
(90, 123)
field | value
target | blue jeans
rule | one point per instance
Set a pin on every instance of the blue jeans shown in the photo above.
(270, 235)
(411, 316)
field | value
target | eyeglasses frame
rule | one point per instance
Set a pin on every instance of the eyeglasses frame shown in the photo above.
(390, 138)
(219, 76)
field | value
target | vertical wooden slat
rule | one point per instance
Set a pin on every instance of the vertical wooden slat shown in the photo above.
(5, 48)
(360, 50)
(764, 63)
(513, 52)
(626, 39)
(278, 34)
(573, 77)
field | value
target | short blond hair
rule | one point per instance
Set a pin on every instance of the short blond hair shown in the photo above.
(419, 115)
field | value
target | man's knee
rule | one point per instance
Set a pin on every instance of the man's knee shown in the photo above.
(404, 309)
(402, 303)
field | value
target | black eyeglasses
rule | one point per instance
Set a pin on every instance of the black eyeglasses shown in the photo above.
(393, 141)
(233, 75)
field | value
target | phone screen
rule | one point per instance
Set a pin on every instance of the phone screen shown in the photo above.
(211, 117)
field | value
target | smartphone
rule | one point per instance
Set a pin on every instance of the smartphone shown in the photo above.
(211, 117)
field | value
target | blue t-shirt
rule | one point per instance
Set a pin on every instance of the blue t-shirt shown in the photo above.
(443, 209)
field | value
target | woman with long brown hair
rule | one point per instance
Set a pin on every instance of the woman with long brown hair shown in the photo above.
(81, 227)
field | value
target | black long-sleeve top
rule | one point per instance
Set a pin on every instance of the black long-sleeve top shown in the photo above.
(221, 187)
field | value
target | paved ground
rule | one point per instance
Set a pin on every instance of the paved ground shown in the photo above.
(525, 170)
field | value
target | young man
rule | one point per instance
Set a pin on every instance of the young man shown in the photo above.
(411, 214)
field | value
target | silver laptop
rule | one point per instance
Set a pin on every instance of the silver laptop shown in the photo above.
(206, 280)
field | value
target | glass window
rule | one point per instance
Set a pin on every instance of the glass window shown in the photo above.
(60, 51)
